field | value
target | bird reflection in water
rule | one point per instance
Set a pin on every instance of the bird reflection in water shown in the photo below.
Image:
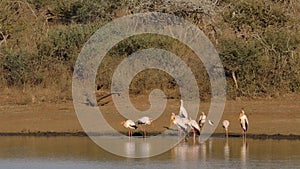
(226, 151)
(244, 149)
(144, 148)
(203, 151)
(137, 147)
(188, 151)
(210, 147)
(129, 148)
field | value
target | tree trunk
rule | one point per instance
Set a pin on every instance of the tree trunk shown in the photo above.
(234, 79)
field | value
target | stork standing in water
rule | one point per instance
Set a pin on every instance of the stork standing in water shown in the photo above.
(202, 120)
(194, 126)
(225, 125)
(130, 125)
(244, 122)
(180, 122)
(144, 121)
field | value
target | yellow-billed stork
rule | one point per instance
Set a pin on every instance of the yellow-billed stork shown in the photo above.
(244, 122)
(202, 120)
(182, 111)
(194, 126)
(180, 122)
(144, 121)
(225, 125)
(130, 125)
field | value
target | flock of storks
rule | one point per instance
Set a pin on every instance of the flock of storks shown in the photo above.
(184, 123)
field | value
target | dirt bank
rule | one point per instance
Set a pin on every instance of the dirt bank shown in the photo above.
(269, 118)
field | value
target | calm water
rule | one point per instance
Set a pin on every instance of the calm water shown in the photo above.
(81, 152)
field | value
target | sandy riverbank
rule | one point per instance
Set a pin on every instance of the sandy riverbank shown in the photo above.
(269, 118)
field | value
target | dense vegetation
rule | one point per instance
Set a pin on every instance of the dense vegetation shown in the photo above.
(258, 42)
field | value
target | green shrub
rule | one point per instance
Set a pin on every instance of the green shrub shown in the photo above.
(18, 69)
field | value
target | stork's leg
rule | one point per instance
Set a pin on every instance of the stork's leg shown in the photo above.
(244, 134)
(194, 136)
(143, 130)
(146, 131)
(194, 131)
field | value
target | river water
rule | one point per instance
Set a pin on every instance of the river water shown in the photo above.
(20, 152)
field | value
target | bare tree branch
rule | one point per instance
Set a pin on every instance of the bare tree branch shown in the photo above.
(28, 6)
(4, 40)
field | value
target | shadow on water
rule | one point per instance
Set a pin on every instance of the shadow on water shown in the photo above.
(213, 153)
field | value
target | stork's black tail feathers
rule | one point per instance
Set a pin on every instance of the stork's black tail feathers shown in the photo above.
(134, 126)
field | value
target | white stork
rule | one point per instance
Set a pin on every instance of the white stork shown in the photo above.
(244, 122)
(180, 122)
(225, 125)
(182, 111)
(202, 120)
(194, 126)
(130, 125)
(146, 121)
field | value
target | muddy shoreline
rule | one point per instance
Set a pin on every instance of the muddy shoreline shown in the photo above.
(269, 118)
(137, 134)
